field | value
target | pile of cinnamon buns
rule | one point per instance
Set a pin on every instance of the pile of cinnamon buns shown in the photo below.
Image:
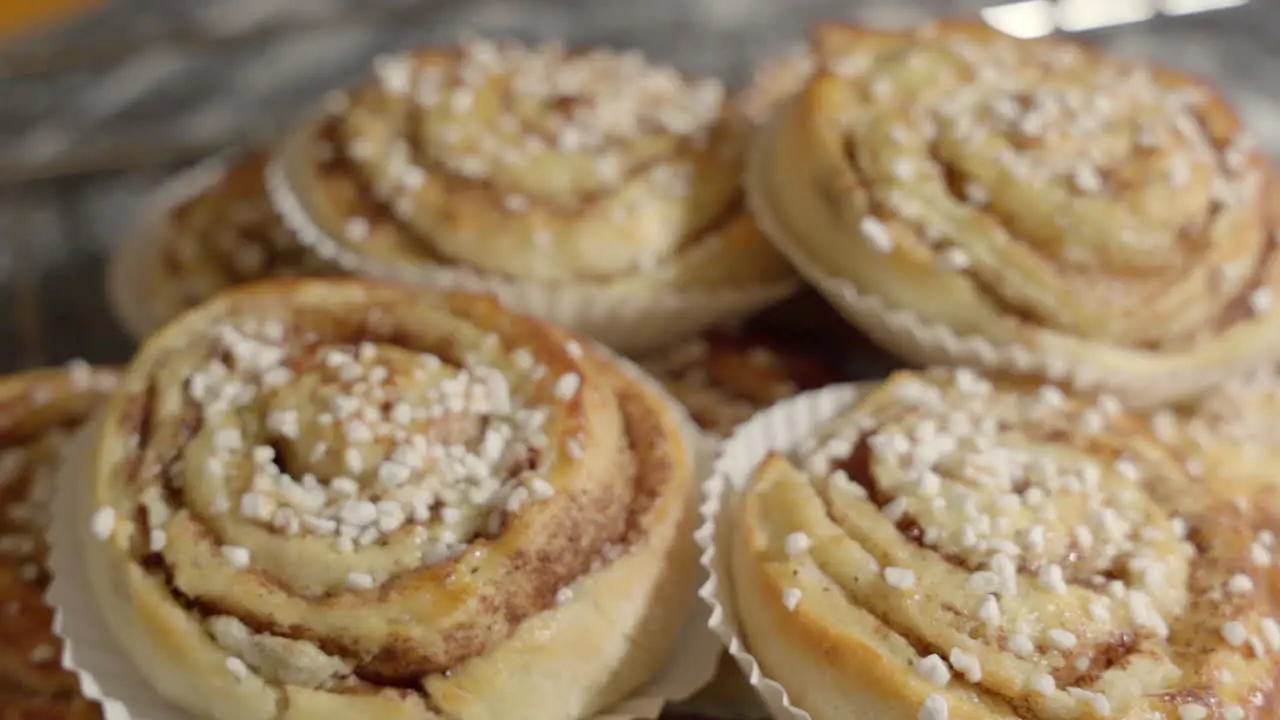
(515, 375)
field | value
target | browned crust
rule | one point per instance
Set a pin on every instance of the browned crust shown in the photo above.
(608, 518)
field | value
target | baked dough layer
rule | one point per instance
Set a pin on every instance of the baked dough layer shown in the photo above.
(322, 498)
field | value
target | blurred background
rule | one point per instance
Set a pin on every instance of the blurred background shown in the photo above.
(101, 99)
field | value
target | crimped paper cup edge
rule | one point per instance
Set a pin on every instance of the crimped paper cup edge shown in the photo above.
(695, 638)
(777, 428)
(67, 507)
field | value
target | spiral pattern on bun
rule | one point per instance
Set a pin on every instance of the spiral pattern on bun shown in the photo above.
(39, 411)
(958, 548)
(216, 230)
(350, 497)
(1029, 206)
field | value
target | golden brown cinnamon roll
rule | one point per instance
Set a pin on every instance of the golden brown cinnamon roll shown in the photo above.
(950, 548)
(808, 318)
(39, 410)
(223, 235)
(594, 189)
(725, 377)
(346, 498)
(1029, 206)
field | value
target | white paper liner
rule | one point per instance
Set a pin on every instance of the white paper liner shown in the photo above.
(631, 322)
(130, 292)
(779, 428)
(109, 678)
(924, 342)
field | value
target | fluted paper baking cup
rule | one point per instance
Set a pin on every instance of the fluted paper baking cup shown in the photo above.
(107, 677)
(628, 321)
(138, 303)
(780, 428)
(1152, 382)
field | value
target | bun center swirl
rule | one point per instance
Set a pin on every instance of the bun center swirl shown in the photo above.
(364, 441)
(358, 484)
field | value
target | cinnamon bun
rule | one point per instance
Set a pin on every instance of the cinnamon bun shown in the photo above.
(594, 189)
(1028, 206)
(950, 547)
(222, 234)
(344, 498)
(39, 410)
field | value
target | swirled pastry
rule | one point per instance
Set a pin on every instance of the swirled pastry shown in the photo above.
(725, 377)
(226, 235)
(950, 548)
(502, 163)
(38, 412)
(334, 498)
(1027, 205)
